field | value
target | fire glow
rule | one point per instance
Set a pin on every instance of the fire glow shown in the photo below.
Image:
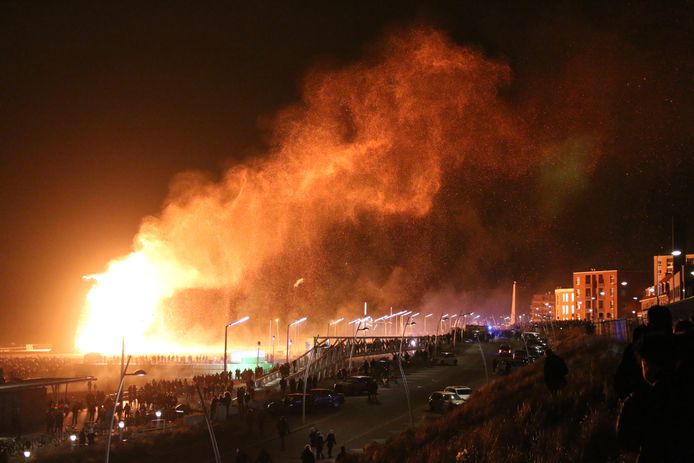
(373, 138)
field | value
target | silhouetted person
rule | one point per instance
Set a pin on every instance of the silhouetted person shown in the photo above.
(342, 455)
(263, 457)
(555, 371)
(282, 430)
(330, 442)
(307, 455)
(629, 377)
(656, 421)
(242, 457)
(659, 320)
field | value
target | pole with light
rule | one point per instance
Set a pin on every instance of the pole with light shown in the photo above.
(402, 372)
(436, 341)
(426, 333)
(226, 328)
(115, 403)
(334, 323)
(357, 329)
(289, 325)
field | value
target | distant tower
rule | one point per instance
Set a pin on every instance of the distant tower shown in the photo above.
(513, 305)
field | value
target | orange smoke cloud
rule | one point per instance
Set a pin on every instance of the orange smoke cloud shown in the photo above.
(376, 137)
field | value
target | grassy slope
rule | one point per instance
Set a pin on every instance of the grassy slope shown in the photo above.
(515, 419)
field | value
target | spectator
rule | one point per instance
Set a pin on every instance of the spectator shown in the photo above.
(307, 455)
(555, 371)
(656, 420)
(263, 457)
(342, 456)
(282, 430)
(330, 441)
(628, 377)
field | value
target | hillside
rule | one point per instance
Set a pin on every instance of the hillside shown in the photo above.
(514, 419)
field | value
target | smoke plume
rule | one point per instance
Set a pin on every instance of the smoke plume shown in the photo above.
(378, 188)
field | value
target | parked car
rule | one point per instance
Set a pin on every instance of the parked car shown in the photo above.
(292, 403)
(354, 385)
(521, 357)
(440, 401)
(445, 358)
(325, 398)
(535, 352)
(463, 392)
(505, 350)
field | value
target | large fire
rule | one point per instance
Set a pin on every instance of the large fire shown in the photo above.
(370, 145)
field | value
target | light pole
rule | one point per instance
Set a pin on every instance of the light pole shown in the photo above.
(289, 325)
(334, 323)
(441, 320)
(426, 333)
(226, 330)
(257, 356)
(273, 348)
(402, 372)
(113, 412)
(354, 339)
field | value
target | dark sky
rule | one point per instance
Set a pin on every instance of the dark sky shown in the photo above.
(103, 103)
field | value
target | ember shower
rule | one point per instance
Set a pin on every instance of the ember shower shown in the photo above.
(352, 197)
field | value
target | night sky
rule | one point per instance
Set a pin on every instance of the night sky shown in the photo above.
(103, 104)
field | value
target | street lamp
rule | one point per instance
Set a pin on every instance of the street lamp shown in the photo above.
(402, 372)
(441, 320)
(425, 323)
(334, 323)
(226, 328)
(115, 403)
(354, 338)
(295, 322)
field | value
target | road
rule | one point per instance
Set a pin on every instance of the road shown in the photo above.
(359, 422)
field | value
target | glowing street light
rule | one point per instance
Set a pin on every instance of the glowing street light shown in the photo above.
(402, 372)
(294, 323)
(115, 403)
(334, 323)
(425, 322)
(226, 328)
(676, 252)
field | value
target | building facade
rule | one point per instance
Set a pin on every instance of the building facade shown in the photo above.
(565, 304)
(597, 294)
(542, 307)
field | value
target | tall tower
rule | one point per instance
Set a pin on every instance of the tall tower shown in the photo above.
(513, 305)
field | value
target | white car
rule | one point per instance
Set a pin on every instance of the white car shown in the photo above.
(463, 392)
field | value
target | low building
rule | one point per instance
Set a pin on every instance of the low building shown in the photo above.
(565, 304)
(542, 307)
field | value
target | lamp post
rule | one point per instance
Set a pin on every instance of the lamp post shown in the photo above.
(334, 323)
(441, 320)
(354, 338)
(289, 325)
(402, 372)
(226, 328)
(273, 348)
(115, 403)
(257, 356)
(426, 332)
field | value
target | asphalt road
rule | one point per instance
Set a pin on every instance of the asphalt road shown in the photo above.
(359, 422)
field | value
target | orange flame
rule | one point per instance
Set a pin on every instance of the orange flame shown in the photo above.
(374, 137)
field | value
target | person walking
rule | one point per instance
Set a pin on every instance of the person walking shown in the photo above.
(282, 430)
(263, 457)
(342, 455)
(555, 370)
(307, 455)
(330, 442)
